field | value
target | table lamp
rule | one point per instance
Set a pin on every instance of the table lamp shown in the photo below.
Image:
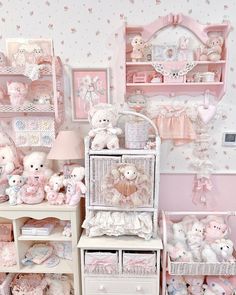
(67, 146)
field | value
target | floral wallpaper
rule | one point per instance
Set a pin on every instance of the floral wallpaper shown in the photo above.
(88, 33)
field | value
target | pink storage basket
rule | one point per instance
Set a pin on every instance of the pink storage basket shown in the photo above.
(5, 285)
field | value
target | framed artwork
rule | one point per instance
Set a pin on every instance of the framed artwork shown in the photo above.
(90, 86)
(21, 51)
(164, 53)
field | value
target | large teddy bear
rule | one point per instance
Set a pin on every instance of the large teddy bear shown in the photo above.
(213, 49)
(75, 188)
(103, 119)
(36, 163)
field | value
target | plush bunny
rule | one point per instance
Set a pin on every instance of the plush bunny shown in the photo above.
(138, 48)
(17, 92)
(54, 190)
(103, 118)
(176, 285)
(15, 183)
(75, 188)
(213, 49)
(179, 253)
(195, 284)
(183, 50)
(195, 239)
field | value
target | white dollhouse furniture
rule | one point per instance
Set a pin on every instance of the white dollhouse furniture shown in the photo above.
(120, 265)
(99, 163)
(17, 215)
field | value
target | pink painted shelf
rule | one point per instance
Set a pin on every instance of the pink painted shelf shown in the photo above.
(186, 85)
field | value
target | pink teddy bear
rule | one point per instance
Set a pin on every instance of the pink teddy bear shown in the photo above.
(215, 230)
(17, 92)
(54, 195)
(33, 191)
(75, 188)
(138, 47)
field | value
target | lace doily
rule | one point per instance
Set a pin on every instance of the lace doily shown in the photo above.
(173, 73)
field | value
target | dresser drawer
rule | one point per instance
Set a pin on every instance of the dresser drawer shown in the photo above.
(122, 286)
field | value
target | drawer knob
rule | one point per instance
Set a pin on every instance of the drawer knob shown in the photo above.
(139, 288)
(101, 288)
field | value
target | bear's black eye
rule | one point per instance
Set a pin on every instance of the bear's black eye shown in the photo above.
(41, 165)
(3, 157)
(104, 120)
(14, 181)
(108, 120)
(31, 166)
(221, 248)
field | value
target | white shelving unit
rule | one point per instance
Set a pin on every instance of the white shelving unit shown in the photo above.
(120, 283)
(17, 215)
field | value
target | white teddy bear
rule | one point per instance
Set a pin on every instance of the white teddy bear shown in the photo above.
(75, 188)
(224, 249)
(15, 183)
(179, 234)
(103, 118)
(54, 190)
(195, 238)
(37, 163)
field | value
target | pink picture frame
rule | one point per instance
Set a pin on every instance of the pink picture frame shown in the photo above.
(89, 87)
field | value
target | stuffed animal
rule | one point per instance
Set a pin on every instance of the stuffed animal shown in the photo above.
(67, 230)
(179, 253)
(224, 250)
(54, 190)
(15, 183)
(208, 254)
(17, 92)
(195, 284)
(138, 48)
(126, 186)
(7, 159)
(213, 49)
(218, 285)
(36, 163)
(58, 284)
(184, 53)
(179, 234)
(32, 192)
(176, 285)
(3, 60)
(75, 188)
(19, 58)
(195, 239)
(215, 230)
(103, 118)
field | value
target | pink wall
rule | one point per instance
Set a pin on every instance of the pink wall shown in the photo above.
(176, 194)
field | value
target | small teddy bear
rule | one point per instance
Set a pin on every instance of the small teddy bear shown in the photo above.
(17, 92)
(215, 230)
(224, 249)
(195, 284)
(75, 188)
(32, 192)
(213, 49)
(138, 48)
(179, 234)
(176, 285)
(103, 118)
(54, 188)
(15, 183)
(36, 163)
(178, 253)
(67, 230)
(195, 238)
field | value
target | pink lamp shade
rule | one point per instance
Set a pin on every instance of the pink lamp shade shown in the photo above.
(68, 145)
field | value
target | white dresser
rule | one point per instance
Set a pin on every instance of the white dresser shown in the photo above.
(120, 265)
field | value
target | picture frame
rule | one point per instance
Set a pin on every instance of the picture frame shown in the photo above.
(164, 53)
(89, 86)
(20, 51)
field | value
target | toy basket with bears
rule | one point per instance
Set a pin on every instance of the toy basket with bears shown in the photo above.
(198, 244)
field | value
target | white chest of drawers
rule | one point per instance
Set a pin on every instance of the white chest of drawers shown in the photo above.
(120, 282)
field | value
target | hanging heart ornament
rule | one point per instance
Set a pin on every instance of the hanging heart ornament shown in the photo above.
(206, 114)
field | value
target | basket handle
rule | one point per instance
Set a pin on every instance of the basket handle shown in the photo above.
(143, 117)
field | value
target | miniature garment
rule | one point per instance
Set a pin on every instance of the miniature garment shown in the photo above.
(174, 124)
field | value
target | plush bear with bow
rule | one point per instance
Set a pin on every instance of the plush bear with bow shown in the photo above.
(103, 119)
(54, 190)
(75, 188)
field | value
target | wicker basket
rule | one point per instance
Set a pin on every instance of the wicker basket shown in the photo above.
(201, 268)
(5, 286)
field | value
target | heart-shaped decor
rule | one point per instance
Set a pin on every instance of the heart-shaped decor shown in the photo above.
(126, 189)
(206, 114)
